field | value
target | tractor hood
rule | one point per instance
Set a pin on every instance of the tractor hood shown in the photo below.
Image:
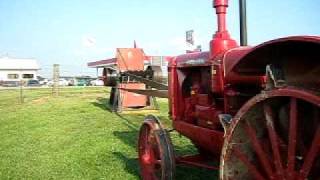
(192, 59)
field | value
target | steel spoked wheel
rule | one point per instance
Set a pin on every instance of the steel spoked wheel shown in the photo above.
(156, 157)
(276, 135)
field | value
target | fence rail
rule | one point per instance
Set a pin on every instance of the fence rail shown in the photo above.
(17, 96)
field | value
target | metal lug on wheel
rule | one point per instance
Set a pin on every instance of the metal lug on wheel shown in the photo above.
(225, 120)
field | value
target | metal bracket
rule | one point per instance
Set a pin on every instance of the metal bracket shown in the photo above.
(225, 120)
(275, 77)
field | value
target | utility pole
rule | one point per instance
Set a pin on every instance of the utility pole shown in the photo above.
(20, 76)
(21, 89)
(55, 87)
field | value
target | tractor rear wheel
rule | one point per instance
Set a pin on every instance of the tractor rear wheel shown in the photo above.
(275, 135)
(156, 157)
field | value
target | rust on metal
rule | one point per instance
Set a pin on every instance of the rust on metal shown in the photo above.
(288, 162)
(274, 140)
(292, 138)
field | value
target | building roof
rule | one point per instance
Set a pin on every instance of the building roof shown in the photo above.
(102, 63)
(154, 60)
(9, 63)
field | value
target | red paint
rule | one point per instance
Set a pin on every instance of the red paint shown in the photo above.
(311, 156)
(274, 141)
(221, 40)
(129, 99)
(228, 79)
(277, 159)
(293, 139)
(196, 160)
(173, 90)
(208, 139)
(130, 59)
(126, 59)
(193, 59)
(263, 157)
(102, 63)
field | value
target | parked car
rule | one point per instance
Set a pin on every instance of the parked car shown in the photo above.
(97, 82)
(33, 83)
(43, 82)
(50, 83)
(71, 82)
(83, 82)
(63, 82)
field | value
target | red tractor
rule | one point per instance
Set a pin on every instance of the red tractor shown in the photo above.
(253, 109)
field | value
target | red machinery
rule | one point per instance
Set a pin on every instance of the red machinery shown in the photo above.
(256, 109)
(128, 73)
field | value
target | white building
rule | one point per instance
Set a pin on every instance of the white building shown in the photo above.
(16, 69)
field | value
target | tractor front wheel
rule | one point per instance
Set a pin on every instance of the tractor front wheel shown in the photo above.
(156, 157)
(275, 135)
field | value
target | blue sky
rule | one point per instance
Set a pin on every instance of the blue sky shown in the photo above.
(74, 32)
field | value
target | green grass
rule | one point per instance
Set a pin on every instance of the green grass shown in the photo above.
(73, 136)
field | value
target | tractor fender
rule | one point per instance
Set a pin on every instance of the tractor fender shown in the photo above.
(297, 56)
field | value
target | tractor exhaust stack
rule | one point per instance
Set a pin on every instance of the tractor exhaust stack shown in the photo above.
(221, 39)
(243, 23)
(221, 11)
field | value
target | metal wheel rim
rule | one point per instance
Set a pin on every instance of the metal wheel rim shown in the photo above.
(261, 154)
(149, 154)
(155, 150)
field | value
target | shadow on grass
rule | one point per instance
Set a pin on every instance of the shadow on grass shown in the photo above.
(102, 103)
(132, 121)
(130, 138)
(129, 121)
(131, 164)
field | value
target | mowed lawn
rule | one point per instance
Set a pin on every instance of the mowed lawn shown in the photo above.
(74, 136)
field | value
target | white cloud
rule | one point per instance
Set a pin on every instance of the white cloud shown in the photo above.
(90, 48)
(88, 41)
